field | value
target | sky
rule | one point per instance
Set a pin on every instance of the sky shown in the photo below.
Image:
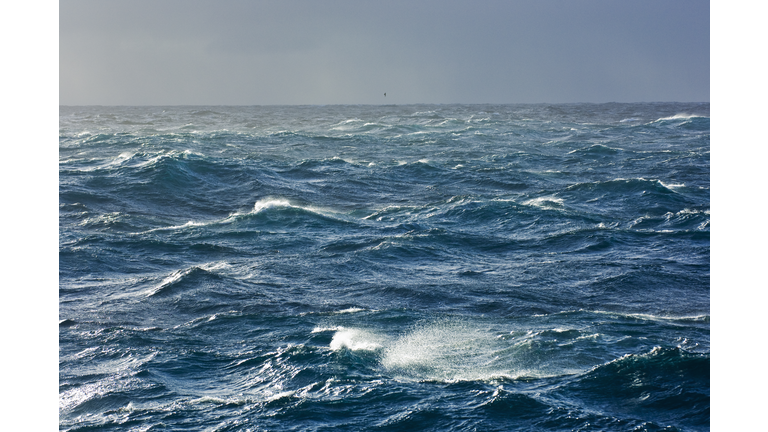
(252, 52)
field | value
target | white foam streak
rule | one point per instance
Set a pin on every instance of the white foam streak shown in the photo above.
(350, 310)
(671, 185)
(178, 227)
(649, 317)
(186, 225)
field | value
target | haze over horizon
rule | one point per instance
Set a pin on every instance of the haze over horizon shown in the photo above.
(343, 52)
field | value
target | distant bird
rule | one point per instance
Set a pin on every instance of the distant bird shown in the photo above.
(385, 95)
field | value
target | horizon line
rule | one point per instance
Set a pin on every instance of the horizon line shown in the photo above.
(369, 104)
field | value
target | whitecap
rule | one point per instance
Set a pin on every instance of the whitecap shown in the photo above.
(346, 124)
(105, 219)
(682, 116)
(176, 227)
(269, 203)
(671, 185)
(423, 113)
(356, 340)
(546, 201)
(350, 310)
(258, 207)
(327, 329)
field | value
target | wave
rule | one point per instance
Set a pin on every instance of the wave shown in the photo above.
(169, 156)
(660, 378)
(430, 114)
(94, 164)
(390, 211)
(545, 202)
(458, 349)
(128, 159)
(119, 377)
(180, 278)
(703, 318)
(260, 207)
(327, 329)
(184, 226)
(282, 205)
(67, 323)
(205, 113)
(689, 122)
(351, 310)
(626, 185)
(596, 150)
(113, 220)
(685, 219)
(682, 117)
(312, 168)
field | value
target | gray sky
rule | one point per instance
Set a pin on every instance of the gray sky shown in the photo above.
(229, 52)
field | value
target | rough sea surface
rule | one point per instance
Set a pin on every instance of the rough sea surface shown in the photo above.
(392, 268)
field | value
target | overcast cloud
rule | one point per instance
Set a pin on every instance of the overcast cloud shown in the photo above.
(178, 52)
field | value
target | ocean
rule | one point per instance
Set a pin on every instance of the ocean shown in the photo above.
(394, 268)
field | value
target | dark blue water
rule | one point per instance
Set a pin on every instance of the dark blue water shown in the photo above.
(437, 267)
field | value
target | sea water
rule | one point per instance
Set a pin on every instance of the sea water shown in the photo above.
(418, 267)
